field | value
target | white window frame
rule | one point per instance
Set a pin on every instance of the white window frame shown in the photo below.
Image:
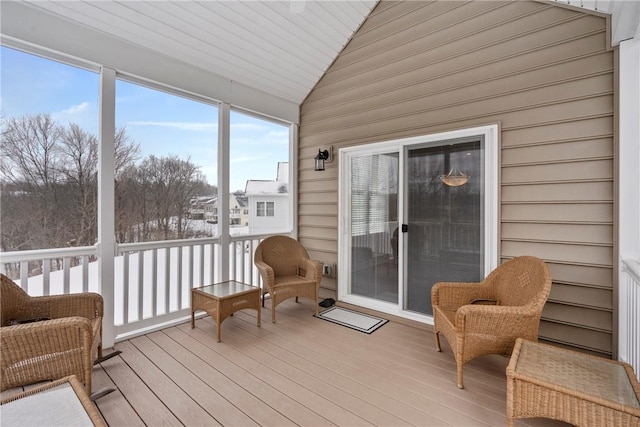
(491, 134)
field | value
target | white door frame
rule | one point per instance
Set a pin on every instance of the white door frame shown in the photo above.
(491, 227)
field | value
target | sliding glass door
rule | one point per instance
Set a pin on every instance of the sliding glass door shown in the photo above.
(374, 222)
(444, 238)
(415, 212)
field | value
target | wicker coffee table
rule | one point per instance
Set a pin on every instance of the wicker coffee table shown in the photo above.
(551, 382)
(221, 300)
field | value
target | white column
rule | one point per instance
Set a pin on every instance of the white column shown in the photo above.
(293, 178)
(629, 143)
(224, 120)
(628, 192)
(106, 202)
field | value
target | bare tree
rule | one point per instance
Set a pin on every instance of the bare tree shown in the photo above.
(30, 160)
(79, 166)
(48, 179)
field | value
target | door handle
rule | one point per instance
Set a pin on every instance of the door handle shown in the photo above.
(405, 228)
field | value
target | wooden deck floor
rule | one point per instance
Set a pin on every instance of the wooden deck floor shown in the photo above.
(300, 371)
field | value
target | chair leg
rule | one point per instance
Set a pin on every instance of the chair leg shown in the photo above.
(296, 299)
(460, 384)
(435, 334)
(263, 299)
(273, 311)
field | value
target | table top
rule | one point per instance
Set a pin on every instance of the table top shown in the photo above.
(591, 375)
(226, 289)
(54, 404)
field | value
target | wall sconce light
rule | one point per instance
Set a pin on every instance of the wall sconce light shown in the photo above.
(322, 157)
(454, 178)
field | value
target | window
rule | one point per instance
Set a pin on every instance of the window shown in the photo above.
(48, 184)
(259, 169)
(166, 167)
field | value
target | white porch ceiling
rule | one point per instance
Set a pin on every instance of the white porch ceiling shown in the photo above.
(278, 47)
(281, 48)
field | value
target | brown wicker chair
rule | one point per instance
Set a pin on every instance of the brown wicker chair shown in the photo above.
(47, 337)
(487, 317)
(287, 271)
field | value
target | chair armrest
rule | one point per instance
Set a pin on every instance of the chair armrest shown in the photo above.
(496, 320)
(266, 272)
(312, 270)
(452, 295)
(86, 304)
(45, 350)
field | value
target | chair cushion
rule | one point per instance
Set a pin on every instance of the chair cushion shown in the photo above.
(291, 280)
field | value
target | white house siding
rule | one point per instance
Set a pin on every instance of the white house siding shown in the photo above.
(545, 73)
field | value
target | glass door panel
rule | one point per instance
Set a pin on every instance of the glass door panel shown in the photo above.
(374, 224)
(444, 239)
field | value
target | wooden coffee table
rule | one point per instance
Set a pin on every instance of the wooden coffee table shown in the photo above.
(584, 390)
(221, 300)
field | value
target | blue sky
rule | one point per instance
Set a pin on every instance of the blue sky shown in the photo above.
(162, 124)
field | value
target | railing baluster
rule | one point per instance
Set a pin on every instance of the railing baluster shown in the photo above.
(167, 280)
(66, 261)
(242, 260)
(190, 266)
(141, 285)
(201, 269)
(24, 275)
(180, 282)
(154, 282)
(125, 288)
(85, 273)
(46, 277)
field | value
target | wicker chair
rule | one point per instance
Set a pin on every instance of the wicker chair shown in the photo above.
(287, 271)
(47, 337)
(487, 317)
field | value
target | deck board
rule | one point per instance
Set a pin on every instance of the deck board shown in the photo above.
(299, 371)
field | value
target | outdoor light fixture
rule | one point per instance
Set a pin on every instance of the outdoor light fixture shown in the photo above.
(454, 178)
(323, 155)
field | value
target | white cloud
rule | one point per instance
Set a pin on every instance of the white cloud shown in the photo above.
(77, 109)
(190, 126)
(83, 114)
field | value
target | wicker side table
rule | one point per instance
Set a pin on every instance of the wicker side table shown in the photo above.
(63, 402)
(584, 390)
(221, 300)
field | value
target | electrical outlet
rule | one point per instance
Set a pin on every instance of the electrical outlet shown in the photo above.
(326, 270)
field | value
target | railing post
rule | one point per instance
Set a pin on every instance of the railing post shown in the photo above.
(106, 202)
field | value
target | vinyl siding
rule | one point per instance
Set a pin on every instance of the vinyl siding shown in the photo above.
(541, 71)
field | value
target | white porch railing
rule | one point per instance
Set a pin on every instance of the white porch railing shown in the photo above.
(153, 280)
(629, 314)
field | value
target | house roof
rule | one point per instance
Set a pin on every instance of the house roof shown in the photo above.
(264, 187)
(237, 50)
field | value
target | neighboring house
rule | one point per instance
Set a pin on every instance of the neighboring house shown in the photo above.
(206, 207)
(200, 207)
(268, 203)
(238, 210)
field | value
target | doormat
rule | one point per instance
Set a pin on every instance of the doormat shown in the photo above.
(352, 319)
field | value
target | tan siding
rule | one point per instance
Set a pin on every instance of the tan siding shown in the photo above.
(545, 75)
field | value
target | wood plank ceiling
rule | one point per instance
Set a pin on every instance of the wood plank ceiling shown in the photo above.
(279, 47)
